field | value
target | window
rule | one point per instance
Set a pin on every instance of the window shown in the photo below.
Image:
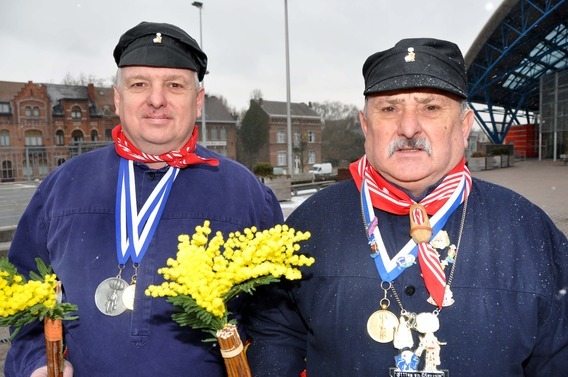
(94, 135)
(5, 108)
(214, 133)
(311, 137)
(28, 111)
(60, 161)
(5, 138)
(281, 137)
(281, 158)
(36, 112)
(77, 136)
(76, 112)
(59, 137)
(108, 134)
(7, 171)
(221, 150)
(42, 166)
(297, 138)
(33, 137)
(28, 169)
(223, 133)
(311, 157)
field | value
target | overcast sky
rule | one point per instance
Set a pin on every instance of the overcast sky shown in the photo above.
(43, 41)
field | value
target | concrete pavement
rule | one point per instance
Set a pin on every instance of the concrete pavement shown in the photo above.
(544, 183)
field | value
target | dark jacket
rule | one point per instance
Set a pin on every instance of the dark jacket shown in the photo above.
(70, 224)
(509, 316)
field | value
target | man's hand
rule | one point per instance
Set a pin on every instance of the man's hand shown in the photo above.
(42, 372)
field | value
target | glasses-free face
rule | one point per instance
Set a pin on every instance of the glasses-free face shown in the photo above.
(414, 138)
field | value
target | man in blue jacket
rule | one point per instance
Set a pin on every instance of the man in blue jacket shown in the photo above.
(110, 218)
(420, 269)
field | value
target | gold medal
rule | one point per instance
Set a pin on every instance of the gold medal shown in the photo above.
(382, 325)
(128, 296)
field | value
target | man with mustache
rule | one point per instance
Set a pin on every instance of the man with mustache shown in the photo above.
(107, 220)
(417, 264)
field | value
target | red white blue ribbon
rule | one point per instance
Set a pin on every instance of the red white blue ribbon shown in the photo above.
(454, 189)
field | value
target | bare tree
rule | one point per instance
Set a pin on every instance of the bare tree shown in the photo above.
(84, 80)
(256, 94)
(333, 110)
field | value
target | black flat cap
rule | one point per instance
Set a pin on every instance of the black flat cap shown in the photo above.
(414, 64)
(160, 45)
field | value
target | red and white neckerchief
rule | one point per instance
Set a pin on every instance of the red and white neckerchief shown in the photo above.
(379, 193)
(179, 159)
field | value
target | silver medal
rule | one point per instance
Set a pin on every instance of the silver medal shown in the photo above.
(108, 296)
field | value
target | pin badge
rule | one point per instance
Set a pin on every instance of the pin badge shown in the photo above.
(158, 38)
(410, 57)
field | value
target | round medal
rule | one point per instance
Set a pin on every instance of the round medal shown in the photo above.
(427, 323)
(382, 325)
(128, 296)
(108, 296)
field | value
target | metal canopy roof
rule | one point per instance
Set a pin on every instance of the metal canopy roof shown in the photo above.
(523, 41)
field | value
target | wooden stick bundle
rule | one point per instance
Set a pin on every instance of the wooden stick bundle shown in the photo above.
(53, 329)
(233, 353)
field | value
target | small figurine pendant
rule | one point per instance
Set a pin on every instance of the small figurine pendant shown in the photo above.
(420, 229)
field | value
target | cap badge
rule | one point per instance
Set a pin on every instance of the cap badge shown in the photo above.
(410, 57)
(158, 38)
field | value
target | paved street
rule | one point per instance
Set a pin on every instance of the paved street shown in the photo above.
(545, 183)
(14, 198)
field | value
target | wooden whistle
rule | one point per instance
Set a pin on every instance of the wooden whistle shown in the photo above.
(420, 229)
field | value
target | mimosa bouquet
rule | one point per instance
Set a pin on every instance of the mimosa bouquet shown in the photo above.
(208, 273)
(25, 301)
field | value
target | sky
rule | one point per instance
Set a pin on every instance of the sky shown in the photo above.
(329, 40)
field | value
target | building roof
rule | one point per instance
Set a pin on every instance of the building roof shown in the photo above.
(216, 111)
(103, 97)
(523, 41)
(275, 108)
(9, 89)
(57, 92)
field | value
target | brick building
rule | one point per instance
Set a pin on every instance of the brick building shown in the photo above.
(43, 125)
(221, 128)
(306, 135)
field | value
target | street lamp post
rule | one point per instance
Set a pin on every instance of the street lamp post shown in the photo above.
(199, 5)
(288, 111)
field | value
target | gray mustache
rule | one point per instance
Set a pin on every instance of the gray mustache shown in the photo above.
(417, 143)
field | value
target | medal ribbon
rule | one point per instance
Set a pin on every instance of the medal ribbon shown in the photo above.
(442, 202)
(180, 159)
(134, 231)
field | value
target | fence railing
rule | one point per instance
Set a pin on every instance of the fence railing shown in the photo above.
(35, 162)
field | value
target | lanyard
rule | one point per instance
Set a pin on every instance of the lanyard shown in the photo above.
(134, 231)
(389, 269)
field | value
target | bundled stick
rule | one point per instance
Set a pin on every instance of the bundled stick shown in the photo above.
(53, 330)
(233, 353)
